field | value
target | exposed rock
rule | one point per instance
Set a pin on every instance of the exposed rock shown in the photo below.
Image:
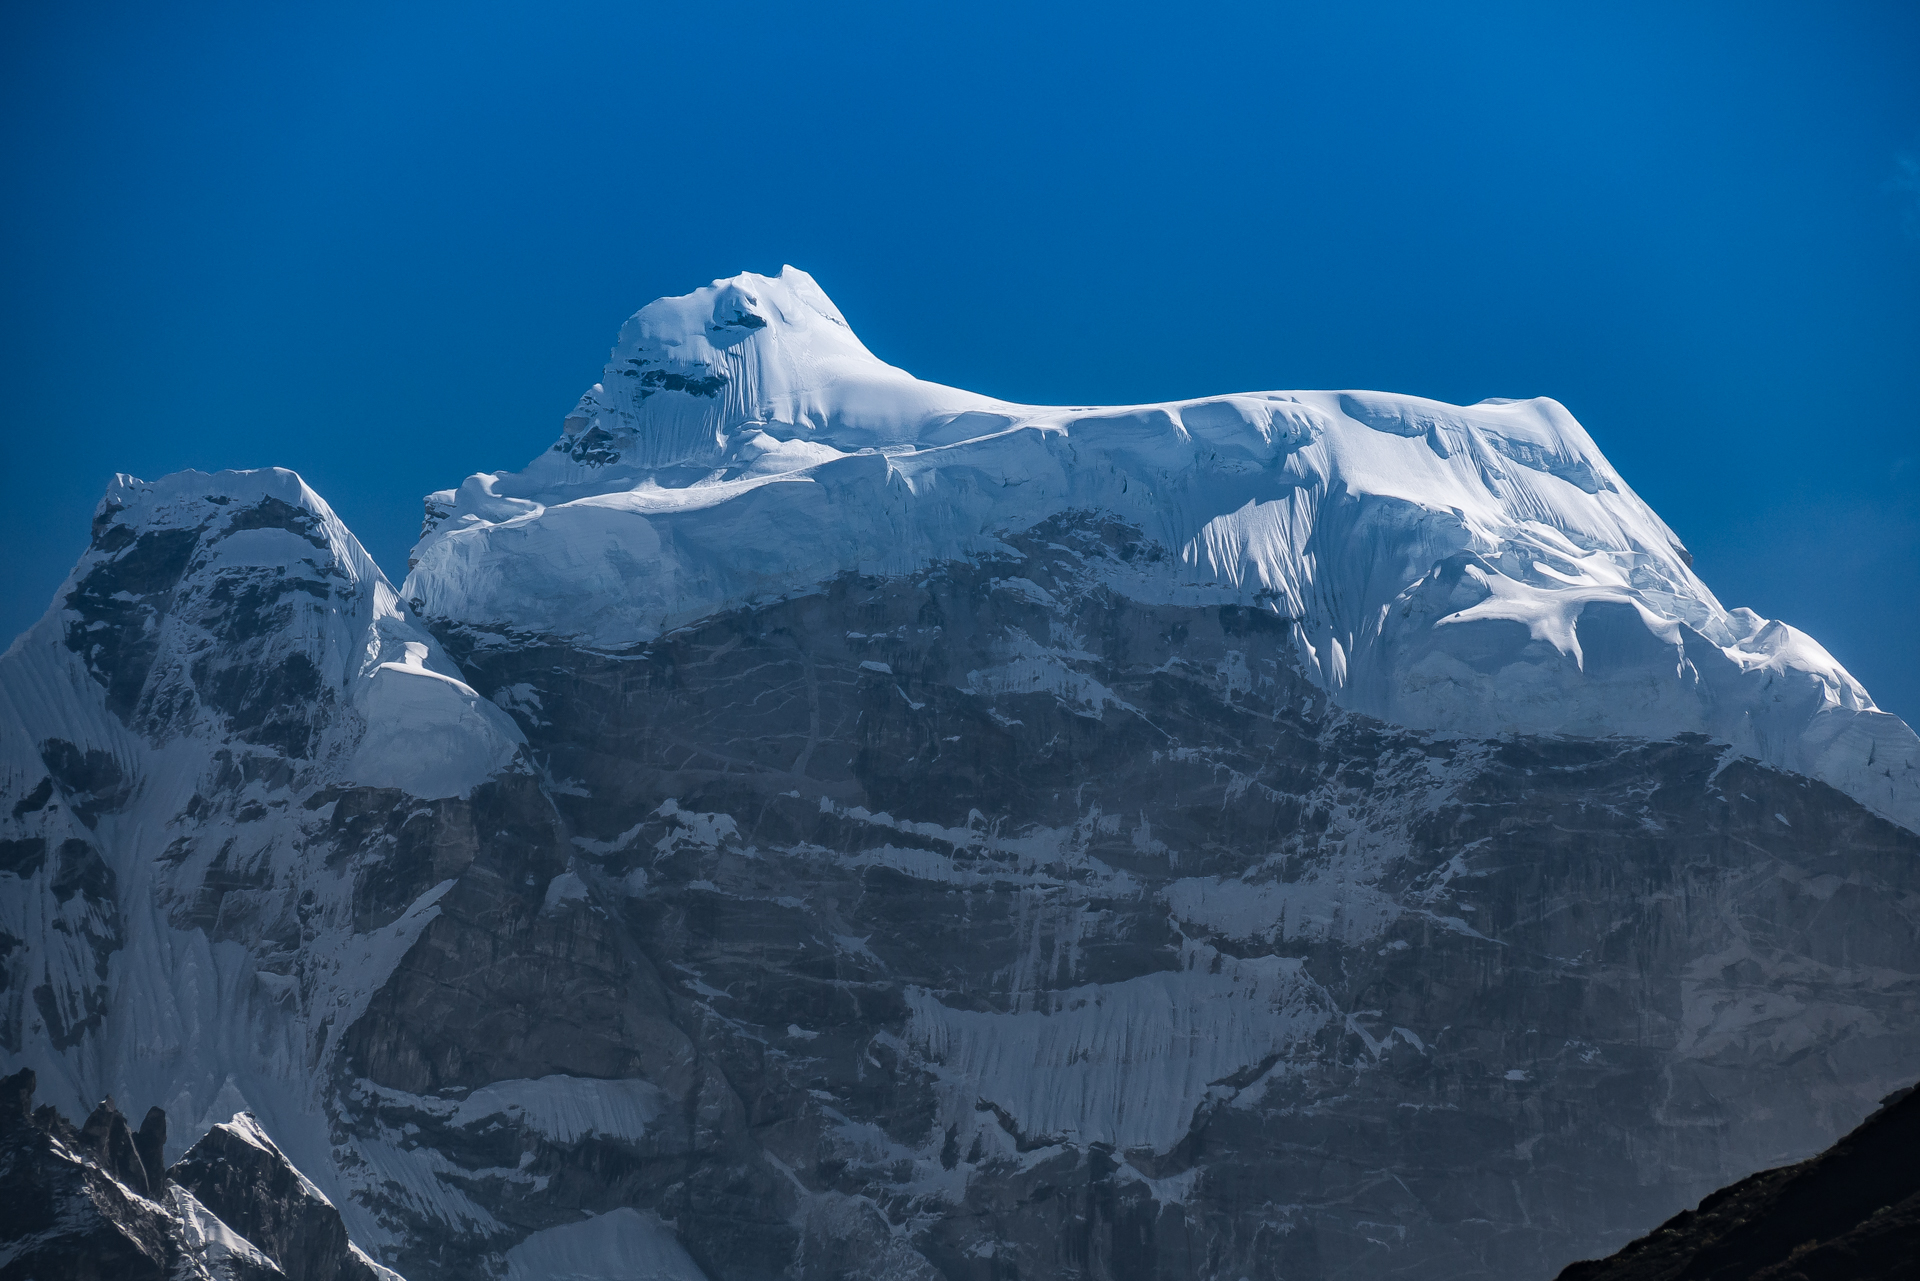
(151, 1144)
(986, 922)
(1850, 1214)
(108, 1139)
(236, 1171)
(62, 1216)
(1123, 955)
(78, 1205)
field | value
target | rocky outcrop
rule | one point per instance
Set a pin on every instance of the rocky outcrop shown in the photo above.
(76, 1205)
(234, 774)
(1850, 1214)
(63, 1210)
(238, 1173)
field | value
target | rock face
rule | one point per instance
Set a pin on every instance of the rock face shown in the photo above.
(236, 1172)
(1850, 1214)
(1143, 962)
(83, 1204)
(745, 856)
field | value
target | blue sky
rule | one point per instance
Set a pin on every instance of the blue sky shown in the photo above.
(389, 245)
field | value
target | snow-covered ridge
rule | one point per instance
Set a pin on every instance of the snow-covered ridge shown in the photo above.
(1476, 569)
(223, 653)
(184, 571)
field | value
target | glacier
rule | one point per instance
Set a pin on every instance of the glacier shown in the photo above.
(1477, 569)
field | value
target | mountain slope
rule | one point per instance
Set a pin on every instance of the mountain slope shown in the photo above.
(1850, 1214)
(1124, 954)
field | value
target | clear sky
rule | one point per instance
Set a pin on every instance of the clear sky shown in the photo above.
(389, 244)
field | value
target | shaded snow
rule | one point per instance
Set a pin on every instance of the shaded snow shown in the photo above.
(1342, 911)
(620, 1245)
(567, 1108)
(1122, 1063)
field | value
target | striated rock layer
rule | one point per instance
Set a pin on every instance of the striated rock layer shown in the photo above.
(740, 855)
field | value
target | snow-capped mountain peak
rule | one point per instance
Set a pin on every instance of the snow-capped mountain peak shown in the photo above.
(1475, 569)
(195, 583)
(224, 665)
(693, 378)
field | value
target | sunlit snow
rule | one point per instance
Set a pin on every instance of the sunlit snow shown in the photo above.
(1478, 569)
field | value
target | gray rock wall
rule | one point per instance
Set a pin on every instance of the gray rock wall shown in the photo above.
(986, 925)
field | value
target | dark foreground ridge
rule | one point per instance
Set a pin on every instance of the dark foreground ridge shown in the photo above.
(1850, 1214)
(96, 1202)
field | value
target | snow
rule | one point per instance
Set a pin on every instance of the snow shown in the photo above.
(567, 1109)
(1343, 911)
(412, 725)
(206, 1234)
(1473, 569)
(380, 1271)
(620, 1245)
(246, 1127)
(1480, 570)
(564, 888)
(201, 1022)
(415, 1179)
(1126, 1063)
(429, 734)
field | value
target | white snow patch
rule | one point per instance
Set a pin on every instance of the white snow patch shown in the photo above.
(380, 1271)
(426, 732)
(1122, 1063)
(564, 888)
(708, 831)
(1342, 911)
(567, 1109)
(620, 1245)
(613, 846)
(206, 1235)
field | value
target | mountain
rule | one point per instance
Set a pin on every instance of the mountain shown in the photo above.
(97, 1202)
(813, 822)
(1850, 1214)
(1477, 570)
